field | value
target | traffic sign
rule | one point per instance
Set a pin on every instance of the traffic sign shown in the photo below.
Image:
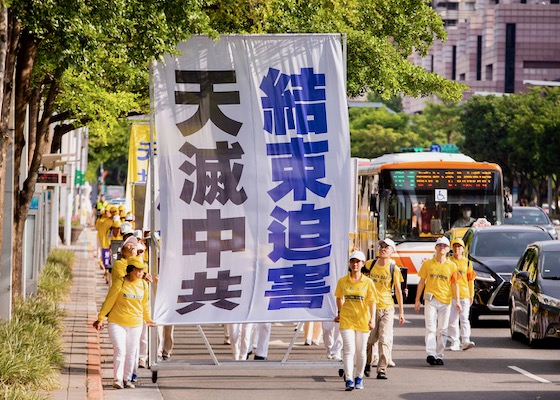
(435, 147)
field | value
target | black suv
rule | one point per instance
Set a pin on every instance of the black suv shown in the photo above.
(535, 293)
(494, 252)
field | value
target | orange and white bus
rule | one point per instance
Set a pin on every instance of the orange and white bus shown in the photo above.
(414, 198)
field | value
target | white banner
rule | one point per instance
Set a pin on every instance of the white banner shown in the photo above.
(254, 174)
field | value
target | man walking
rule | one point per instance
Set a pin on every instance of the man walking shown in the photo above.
(438, 279)
(385, 276)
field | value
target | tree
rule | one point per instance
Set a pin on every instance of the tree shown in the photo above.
(76, 62)
(374, 132)
(439, 123)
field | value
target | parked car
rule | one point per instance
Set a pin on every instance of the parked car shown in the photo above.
(494, 252)
(534, 305)
(532, 216)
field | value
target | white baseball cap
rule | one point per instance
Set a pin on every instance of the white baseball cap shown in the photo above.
(358, 255)
(126, 228)
(389, 243)
(442, 240)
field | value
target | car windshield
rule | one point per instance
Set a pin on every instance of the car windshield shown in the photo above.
(504, 244)
(550, 265)
(528, 216)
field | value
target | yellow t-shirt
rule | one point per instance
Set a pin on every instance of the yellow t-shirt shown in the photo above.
(358, 298)
(127, 303)
(381, 277)
(439, 278)
(119, 269)
(465, 278)
(103, 226)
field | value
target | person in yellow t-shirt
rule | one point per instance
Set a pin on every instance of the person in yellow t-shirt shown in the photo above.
(461, 340)
(128, 306)
(355, 300)
(380, 274)
(119, 267)
(103, 226)
(438, 279)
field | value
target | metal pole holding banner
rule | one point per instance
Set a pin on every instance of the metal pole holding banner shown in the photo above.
(153, 256)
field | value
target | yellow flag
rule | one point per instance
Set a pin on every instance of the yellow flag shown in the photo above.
(138, 160)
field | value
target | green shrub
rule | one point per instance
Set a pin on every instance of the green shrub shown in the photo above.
(55, 281)
(31, 342)
(60, 256)
(19, 393)
(30, 355)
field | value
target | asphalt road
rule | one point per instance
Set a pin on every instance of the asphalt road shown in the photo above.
(498, 368)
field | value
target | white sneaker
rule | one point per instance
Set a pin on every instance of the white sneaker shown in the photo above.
(129, 385)
(391, 363)
(468, 345)
(118, 384)
(455, 347)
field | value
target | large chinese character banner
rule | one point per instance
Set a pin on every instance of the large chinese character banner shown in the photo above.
(254, 176)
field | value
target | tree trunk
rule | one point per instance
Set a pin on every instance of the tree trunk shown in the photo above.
(23, 199)
(5, 138)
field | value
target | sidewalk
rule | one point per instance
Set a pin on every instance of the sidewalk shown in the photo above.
(81, 378)
(89, 354)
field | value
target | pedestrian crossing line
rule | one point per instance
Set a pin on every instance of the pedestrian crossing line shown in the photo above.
(528, 374)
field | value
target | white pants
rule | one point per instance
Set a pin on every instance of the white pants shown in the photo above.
(354, 348)
(240, 337)
(461, 319)
(165, 339)
(436, 315)
(125, 342)
(261, 332)
(332, 338)
(143, 350)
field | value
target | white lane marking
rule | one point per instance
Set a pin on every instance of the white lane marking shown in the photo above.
(528, 374)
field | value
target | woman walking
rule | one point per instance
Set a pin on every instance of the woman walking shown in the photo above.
(127, 305)
(355, 299)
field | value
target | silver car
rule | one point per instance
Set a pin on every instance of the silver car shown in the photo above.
(532, 216)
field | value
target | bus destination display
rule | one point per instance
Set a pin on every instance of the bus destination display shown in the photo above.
(443, 179)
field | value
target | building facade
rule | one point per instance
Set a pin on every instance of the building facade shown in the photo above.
(495, 47)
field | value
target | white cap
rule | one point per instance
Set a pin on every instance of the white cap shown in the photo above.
(358, 255)
(138, 233)
(129, 217)
(126, 228)
(389, 243)
(140, 247)
(441, 240)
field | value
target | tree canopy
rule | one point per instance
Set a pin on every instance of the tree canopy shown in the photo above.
(69, 63)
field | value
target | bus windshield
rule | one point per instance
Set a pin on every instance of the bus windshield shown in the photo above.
(423, 204)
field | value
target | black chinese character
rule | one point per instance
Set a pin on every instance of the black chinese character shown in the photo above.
(213, 226)
(219, 291)
(207, 101)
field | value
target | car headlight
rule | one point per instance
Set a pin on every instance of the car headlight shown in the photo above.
(484, 276)
(548, 300)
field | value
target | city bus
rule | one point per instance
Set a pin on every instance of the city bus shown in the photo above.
(414, 198)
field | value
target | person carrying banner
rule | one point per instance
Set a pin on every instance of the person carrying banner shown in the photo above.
(438, 279)
(386, 277)
(127, 305)
(355, 300)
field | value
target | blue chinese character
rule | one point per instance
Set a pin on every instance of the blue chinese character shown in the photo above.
(306, 100)
(298, 286)
(309, 233)
(310, 99)
(296, 169)
(144, 147)
(278, 104)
